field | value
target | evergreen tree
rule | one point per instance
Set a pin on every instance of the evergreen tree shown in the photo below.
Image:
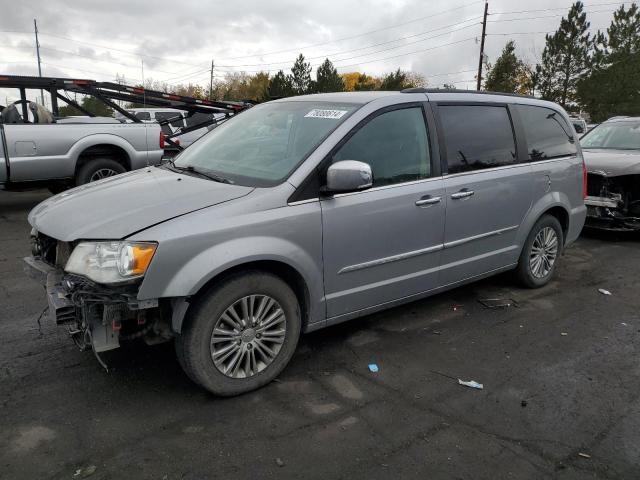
(328, 79)
(395, 81)
(301, 76)
(613, 85)
(565, 57)
(90, 104)
(280, 85)
(506, 73)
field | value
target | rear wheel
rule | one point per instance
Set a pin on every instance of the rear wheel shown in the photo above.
(241, 334)
(97, 169)
(539, 256)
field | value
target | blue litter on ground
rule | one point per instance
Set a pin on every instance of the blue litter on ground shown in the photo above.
(373, 367)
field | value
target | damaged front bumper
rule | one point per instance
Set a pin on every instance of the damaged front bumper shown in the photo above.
(613, 203)
(98, 316)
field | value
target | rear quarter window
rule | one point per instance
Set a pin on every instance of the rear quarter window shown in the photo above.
(547, 133)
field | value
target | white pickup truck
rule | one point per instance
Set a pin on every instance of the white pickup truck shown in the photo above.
(62, 153)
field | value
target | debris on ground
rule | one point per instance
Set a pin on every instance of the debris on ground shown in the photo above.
(523, 403)
(564, 334)
(584, 455)
(85, 472)
(604, 292)
(373, 368)
(456, 307)
(436, 332)
(498, 302)
(471, 383)
(624, 324)
(279, 462)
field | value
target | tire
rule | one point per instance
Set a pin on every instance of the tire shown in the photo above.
(93, 167)
(195, 350)
(526, 271)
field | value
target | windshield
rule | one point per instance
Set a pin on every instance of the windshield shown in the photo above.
(618, 135)
(261, 146)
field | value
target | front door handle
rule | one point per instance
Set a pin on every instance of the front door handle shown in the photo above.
(462, 194)
(428, 200)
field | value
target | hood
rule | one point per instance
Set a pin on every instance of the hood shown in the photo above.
(119, 206)
(613, 163)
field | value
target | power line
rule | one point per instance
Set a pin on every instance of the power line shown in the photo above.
(248, 56)
(588, 5)
(405, 54)
(546, 16)
(521, 33)
(356, 56)
(297, 49)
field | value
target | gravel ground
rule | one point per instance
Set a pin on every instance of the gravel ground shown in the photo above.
(561, 395)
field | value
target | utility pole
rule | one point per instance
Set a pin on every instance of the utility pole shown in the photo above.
(211, 82)
(35, 28)
(484, 34)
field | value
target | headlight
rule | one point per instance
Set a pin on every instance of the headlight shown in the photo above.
(111, 262)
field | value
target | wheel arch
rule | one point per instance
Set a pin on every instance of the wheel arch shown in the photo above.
(103, 150)
(555, 204)
(286, 272)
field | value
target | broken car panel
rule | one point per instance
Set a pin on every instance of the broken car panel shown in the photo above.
(612, 155)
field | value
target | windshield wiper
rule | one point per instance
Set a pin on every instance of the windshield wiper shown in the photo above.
(192, 169)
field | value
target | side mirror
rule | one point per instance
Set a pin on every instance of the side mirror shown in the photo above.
(349, 176)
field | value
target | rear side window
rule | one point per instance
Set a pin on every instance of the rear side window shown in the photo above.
(548, 134)
(394, 144)
(477, 137)
(178, 122)
(143, 115)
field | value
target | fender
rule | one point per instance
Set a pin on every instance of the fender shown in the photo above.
(101, 139)
(209, 263)
(547, 202)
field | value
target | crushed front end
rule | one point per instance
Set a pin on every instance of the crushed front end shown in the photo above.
(613, 202)
(97, 316)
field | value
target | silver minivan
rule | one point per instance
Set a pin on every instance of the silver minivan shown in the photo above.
(305, 212)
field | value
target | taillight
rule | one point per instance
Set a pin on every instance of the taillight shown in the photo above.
(584, 179)
(162, 142)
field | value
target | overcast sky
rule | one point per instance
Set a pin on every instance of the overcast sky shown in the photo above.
(176, 40)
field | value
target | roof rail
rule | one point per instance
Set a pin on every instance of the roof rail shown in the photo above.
(447, 90)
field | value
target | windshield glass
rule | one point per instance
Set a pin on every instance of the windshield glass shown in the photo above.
(261, 146)
(618, 135)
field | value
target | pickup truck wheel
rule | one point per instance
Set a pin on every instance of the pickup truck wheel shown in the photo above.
(241, 334)
(539, 256)
(97, 169)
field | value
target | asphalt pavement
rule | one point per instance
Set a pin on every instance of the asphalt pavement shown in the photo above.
(560, 369)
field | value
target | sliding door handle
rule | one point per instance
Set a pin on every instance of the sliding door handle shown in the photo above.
(427, 200)
(462, 194)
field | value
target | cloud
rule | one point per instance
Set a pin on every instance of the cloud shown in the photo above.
(178, 40)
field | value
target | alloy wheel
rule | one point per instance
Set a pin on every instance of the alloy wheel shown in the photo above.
(248, 336)
(544, 252)
(102, 173)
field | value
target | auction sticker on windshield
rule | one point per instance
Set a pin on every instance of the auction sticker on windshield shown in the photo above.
(319, 113)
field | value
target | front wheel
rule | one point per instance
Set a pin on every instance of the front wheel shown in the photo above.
(241, 334)
(539, 256)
